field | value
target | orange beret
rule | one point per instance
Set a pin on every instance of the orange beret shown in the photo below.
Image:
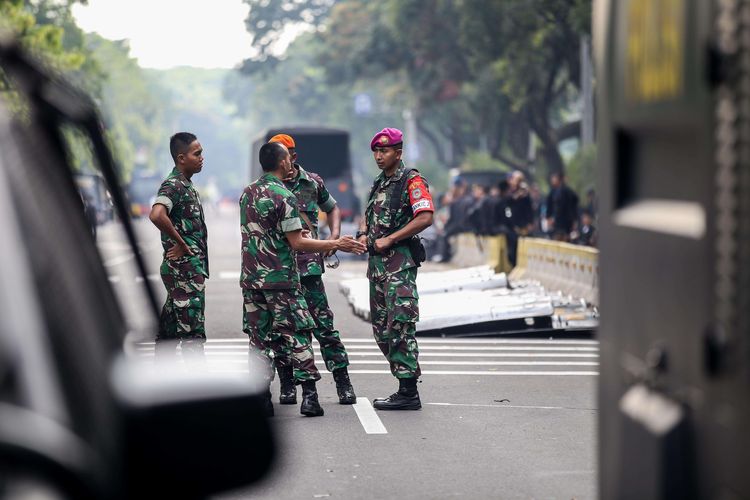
(284, 139)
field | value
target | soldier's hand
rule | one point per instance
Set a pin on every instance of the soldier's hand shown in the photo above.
(331, 237)
(350, 245)
(363, 239)
(306, 233)
(178, 250)
(383, 244)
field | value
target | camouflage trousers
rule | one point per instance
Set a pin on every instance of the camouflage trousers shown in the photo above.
(182, 318)
(331, 347)
(279, 328)
(394, 307)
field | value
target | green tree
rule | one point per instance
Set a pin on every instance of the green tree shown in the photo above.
(530, 50)
(497, 77)
(30, 23)
(267, 22)
(132, 104)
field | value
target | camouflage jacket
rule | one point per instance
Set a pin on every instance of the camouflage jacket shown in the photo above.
(268, 210)
(178, 194)
(381, 222)
(312, 196)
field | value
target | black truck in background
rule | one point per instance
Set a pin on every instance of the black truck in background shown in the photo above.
(324, 151)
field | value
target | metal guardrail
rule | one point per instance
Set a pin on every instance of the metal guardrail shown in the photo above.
(572, 269)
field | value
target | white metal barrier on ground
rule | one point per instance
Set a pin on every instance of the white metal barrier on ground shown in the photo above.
(460, 297)
(549, 281)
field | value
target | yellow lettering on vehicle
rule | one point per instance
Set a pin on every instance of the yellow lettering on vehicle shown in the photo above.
(655, 50)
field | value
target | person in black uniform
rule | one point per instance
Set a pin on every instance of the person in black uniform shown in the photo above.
(562, 209)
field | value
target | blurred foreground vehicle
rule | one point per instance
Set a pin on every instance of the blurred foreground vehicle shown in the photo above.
(79, 419)
(674, 226)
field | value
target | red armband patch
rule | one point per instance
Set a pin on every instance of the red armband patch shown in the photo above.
(419, 196)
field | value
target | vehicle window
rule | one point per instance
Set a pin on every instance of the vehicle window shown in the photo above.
(115, 252)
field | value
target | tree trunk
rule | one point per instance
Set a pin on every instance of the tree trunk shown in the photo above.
(549, 151)
(435, 142)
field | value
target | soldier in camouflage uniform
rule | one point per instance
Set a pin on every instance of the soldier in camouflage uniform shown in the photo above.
(399, 208)
(178, 214)
(276, 318)
(312, 196)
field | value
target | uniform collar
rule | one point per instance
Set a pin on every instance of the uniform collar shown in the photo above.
(270, 178)
(396, 175)
(302, 175)
(175, 173)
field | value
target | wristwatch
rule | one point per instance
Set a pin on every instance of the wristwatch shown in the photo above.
(360, 233)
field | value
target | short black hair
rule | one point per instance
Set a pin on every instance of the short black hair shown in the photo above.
(270, 154)
(179, 143)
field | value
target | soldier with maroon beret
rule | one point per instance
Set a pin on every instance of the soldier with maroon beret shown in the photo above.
(398, 209)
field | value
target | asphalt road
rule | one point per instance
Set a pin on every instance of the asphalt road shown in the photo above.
(501, 418)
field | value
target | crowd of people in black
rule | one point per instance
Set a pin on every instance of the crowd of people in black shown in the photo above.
(514, 208)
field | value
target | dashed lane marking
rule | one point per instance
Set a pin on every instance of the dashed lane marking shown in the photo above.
(368, 418)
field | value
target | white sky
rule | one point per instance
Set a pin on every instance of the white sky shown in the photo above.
(169, 33)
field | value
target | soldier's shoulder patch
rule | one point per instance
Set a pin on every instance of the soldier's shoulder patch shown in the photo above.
(419, 195)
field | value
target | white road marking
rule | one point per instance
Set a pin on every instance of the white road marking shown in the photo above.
(512, 406)
(368, 418)
(115, 261)
(114, 279)
(491, 355)
(491, 363)
(472, 357)
(229, 275)
(112, 245)
(242, 352)
(356, 348)
(425, 363)
(432, 341)
(424, 351)
(449, 372)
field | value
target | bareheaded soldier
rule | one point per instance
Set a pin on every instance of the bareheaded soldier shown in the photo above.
(276, 316)
(178, 213)
(312, 196)
(399, 208)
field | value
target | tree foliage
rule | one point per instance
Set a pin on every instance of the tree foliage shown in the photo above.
(495, 76)
(46, 29)
(268, 23)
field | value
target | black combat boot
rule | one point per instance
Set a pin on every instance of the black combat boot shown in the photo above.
(407, 397)
(288, 393)
(344, 387)
(310, 406)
